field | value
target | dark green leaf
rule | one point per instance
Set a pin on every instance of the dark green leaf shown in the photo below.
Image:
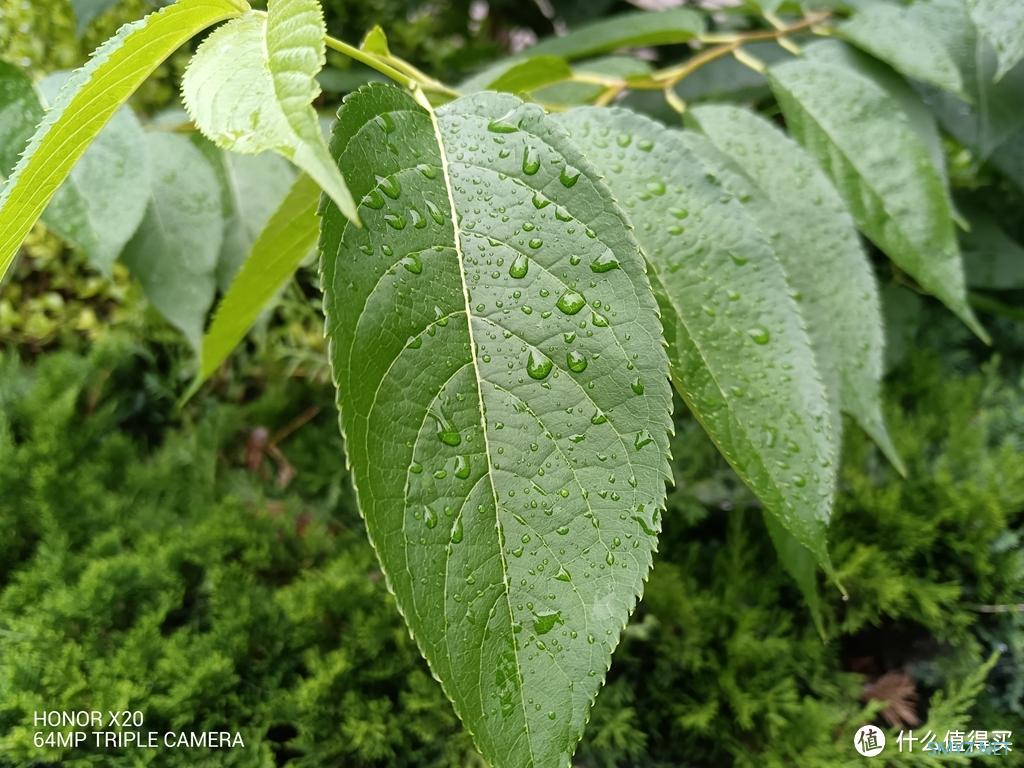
(740, 355)
(882, 169)
(992, 259)
(531, 74)
(504, 396)
(924, 40)
(627, 30)
(816, 240)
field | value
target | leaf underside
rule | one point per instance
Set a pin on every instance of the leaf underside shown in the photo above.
(504, 398)
(736, 337)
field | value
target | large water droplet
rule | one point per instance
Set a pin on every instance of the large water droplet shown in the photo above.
(446, 432)
(637, 386)
(759, 335)
(430, 517)
(545, 621)
(531, 163)
(462, 467)
(569, 176)
(539, 365)
(606, 262)
(502, 126)
(389, 186)
(576, 361)
(457, 531)
(413, 263)
(520, 266)
(571, 302)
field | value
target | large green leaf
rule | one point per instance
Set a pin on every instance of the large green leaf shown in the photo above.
(251, 85)
(289, 236)
(1002, 23)
(817, 242)
(100, 205)
(504, 395)
(923, 40)
(87, 102)
(740, 355)
(881, 168)
(175, 250)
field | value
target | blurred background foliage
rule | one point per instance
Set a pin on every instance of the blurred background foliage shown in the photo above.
(208, 565)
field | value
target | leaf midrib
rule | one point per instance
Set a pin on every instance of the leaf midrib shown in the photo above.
(460, 258)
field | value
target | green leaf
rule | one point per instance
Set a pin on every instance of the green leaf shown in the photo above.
(503, 391)
(87, 10)
(251, 85)
(1001, 22)
(573, 94)
(726, 79)
(992, 259)
(816, 241)
(531, 74)
(20, 113)
(626, 30)
(87, 102)
(252, 188)
(288, 237)
(922, 40)
(376, 42)
(102, 202)
(881, 168)
(740, 355)
(175, 250)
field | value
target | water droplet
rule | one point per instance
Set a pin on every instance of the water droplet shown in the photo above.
(536, 242)
(759, 335)
(606, 262)
(610, 559)
(576, 361)
(374, 199)
(563, 575)
(531, 163)
(562, 530)
(430, 517)
(643, 437)
(430, 171)
(656, 187)
(457, 531)
(571, 302)
(598, 418)
(446, 432)
(462, 467)
(737, 259)
(435, 213)
(599, 320)
(799, 481)
(637, 386)
(395, 220)
(389, 186)
(502, 126)
(545, 621)
(412, 263)
(538, 366)
(520, 266)
(539, 201)
(569, 176)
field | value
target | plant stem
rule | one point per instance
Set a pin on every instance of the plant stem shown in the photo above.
(396, 69)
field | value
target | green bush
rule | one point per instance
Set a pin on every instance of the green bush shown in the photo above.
(150, 560)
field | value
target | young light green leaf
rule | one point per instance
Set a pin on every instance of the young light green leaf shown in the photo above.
(817, 243)
(741, 357)
(376, 42)
(922, 40)
(251, 85)
(1001, 22)
(504, 394)
(174, 252)
(87, 102)
(102, 202)
(881, 168)
(533, 73)
(289, 236)
(252, 188)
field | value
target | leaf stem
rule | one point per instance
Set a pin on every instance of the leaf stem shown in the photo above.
(392, 67)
